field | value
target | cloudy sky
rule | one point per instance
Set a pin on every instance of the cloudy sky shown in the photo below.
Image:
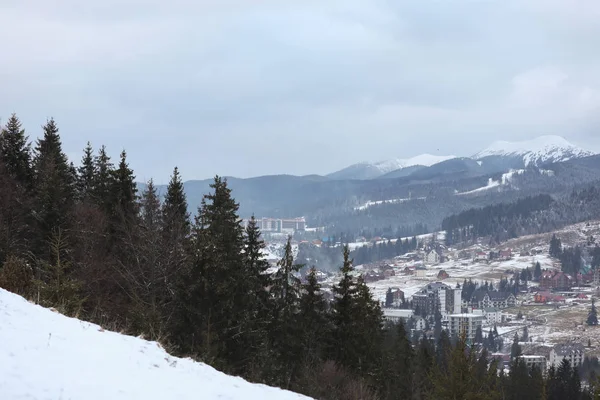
(253, 87)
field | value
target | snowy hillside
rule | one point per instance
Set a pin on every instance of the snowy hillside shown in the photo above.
(45, 355)
(536, 151)
(426, 160)
(370, 170)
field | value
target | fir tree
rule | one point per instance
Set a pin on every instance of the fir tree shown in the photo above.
(537, 273)
(397, 378)
(515, 350)
(86, 174)
(389, 298)
(478, 335)
(15, 152)
(285, 331)
(124, 192)
(54, 186)
(103, 180)
(312, 318)
(56, 288)
(343, 317)
(258, 301)
(174, 210)
(555, 247)
(151, 296)
(592, 318)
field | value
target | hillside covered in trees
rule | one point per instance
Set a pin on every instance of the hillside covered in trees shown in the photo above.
(529, 215)
(81, 239)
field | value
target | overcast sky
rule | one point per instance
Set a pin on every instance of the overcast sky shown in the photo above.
(251, 87)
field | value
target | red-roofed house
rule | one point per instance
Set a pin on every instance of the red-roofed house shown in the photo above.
(545, 297)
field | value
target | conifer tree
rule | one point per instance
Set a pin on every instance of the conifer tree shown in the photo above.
(15, 152)
(478, 335)
(55, 287)
(285, 332)
(397, 379)
(515, 350)
(442, 352)
(343, 317)
(86, 174)
(212, 292)
(537, 273)
(312, 318)
(459, 381)
(124, 192)
(103, 180)
(423, 366)
(592, 318)
(54, 186)
(389, 298)
(175, 216)
(152, 299)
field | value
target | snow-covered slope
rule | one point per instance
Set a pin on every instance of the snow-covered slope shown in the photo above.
(370, 170)
(536, 151)
(47, 356)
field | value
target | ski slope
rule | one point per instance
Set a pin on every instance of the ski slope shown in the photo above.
(47, 356)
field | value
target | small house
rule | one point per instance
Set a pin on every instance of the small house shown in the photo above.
(443, 275)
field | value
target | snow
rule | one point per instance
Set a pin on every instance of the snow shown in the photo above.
(371, 203)
(426, 160)
(490, 185)
(536, 151)
(505, 180)
(47, 356)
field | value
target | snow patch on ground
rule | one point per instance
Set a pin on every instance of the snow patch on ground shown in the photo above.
(391, 201)
(47, 356)
(505, 180)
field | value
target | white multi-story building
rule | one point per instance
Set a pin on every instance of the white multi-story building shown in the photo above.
(465, 324)
(275, 225)
(492, 315)
(572, 352)
(397, 315)
(539, 362)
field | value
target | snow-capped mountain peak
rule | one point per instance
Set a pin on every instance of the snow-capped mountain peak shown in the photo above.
(371, 170)
(426, 160)
(543, 149)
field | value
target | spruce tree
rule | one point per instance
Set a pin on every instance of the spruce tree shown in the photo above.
(515, 350)
(124, 193)
(537, 273)
(103, 181)
(176, 218)
(397, 379)
(285, 331)
(343, 317)
(592, 318)
(258, 302)
(152, 299)
(54, 187)
(424, 361)
(15, 152)
(86, 174)
(478, 335)
(389, 298)
(313, 319)
(212, 292)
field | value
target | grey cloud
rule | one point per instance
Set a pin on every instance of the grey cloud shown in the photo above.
(310, 86)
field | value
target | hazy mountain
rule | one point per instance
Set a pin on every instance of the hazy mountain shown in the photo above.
(538, 151)
(415, 193)
(368, 170)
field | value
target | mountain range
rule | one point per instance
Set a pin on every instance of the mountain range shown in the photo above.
(538, 151)
(419, 190)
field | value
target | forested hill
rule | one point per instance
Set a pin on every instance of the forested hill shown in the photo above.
(530, 215)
